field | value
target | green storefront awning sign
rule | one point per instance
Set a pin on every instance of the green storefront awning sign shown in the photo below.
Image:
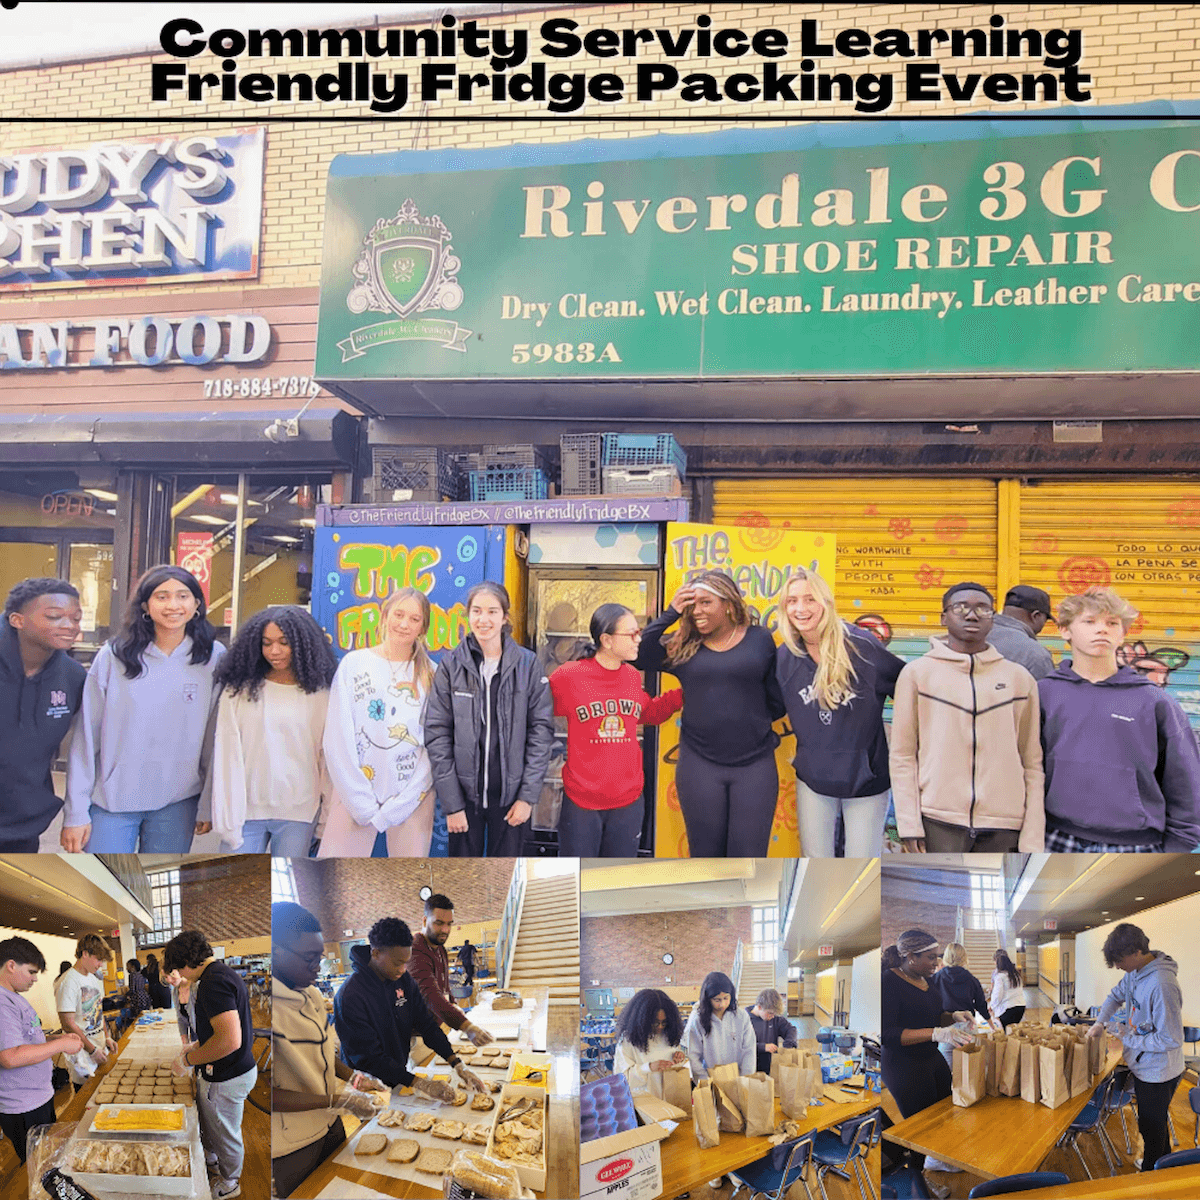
(1061, 250)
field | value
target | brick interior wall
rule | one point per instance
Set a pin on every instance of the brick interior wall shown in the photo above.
(921, 899)
(353, 893)
(626, 951)
(227, 897)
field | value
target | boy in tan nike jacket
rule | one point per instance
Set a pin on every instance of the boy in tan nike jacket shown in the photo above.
(966, 755)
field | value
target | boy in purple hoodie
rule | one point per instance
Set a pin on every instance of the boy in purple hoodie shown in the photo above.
(1122, 765)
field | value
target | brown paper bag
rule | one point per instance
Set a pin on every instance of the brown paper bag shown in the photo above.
(675, 1085)
(728, 1097)
(652, 1109)
(810, 1059)
(1030, 1079)
(1008, 1059)
(993, 1053)
(1079, 1080)
(783, 1057)
(759, 1109)
(1097, 1053)
(795, 1088)
(1052, 1076)
(969, 1086)
(704, 1115)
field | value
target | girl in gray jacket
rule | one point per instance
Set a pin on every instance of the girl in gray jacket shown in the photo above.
(489, 729)
(135, 772)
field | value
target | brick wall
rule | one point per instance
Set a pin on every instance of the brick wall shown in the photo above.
(627, 951)
(353, 893)
(912, 897)
(227, 897)
(1134, 52)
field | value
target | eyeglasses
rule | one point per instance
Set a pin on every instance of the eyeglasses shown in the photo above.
(312, 959)
(962, 610)
(658, 1024)
(634, 633)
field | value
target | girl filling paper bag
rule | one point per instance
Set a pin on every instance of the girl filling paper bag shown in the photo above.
(968, 1086)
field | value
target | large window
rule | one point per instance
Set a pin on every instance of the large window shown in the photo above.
(283, 882)
(168, 909)
(765, 924)
(987, 901)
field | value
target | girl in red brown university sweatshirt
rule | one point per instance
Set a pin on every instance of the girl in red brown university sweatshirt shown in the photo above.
(603, 700)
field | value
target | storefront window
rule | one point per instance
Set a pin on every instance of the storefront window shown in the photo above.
(53, 524)
(271, 563)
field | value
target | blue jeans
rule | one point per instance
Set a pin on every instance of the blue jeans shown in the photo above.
(863, 818)
(166, 830)
(284, 839)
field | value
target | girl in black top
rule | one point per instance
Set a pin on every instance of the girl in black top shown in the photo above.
(726, 776)
(912, 1012)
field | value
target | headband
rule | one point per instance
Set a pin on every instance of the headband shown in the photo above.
(708, 587)
(923, 949)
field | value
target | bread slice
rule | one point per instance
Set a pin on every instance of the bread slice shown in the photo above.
(403, 1150)
(482, 1103)
(419, 1122)
(476, 1135)
(371, 1143)
(447, 1129)
(434, 1162)
(460, 1098)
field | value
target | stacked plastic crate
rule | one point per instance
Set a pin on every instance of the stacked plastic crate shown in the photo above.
(642, 464)
(413, 473)
(509, 473)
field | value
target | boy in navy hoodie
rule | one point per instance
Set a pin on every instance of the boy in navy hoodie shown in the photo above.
(1122, 765)
(41, 689)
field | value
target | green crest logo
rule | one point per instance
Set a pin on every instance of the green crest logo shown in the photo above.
(407, 266)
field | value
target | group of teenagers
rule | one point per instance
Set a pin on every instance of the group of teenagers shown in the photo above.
(273, 742)
(929, 1000)
(323, 1067)
(212, 1009)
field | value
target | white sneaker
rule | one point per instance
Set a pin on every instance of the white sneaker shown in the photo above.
(936, 1164)
(223, 1189)
(716, 1183)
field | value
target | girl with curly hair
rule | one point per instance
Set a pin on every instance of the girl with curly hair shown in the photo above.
(135, 771)
(726, 776)
(267, 775)
(649, 1033)
(375, 739)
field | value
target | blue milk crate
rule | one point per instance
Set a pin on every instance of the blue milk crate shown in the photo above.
(522, 483)
(644, 450)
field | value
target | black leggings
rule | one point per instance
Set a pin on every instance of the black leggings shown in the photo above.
(1010, 1016)
(16, 1126)
(728, 811)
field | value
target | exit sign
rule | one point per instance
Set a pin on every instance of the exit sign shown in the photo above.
(824, 951)
(1050, 924)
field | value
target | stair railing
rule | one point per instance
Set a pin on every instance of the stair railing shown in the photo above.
(736, 974)
(959, 935)
(506, 939)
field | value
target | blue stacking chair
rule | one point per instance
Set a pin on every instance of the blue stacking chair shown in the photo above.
(1030, 1181)
(772, 1175)
(907, 1182)
(1181, 1158)
(846, 1151)
(1194, 1101)
(1121, 1098)
(1091, 1120)
(886, 1192)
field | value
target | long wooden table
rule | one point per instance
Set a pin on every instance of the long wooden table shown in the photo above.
(685, 1166)
(1171, 1183)
(1000, 1135)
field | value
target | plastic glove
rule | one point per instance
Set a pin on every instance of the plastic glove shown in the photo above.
(360, 1104)
(178, 1066)
(100, 1053)
(479, 1037)
(952, 1037)
(473, 1082)
(362, 1082)
(1095, 1030)
(435, 1089)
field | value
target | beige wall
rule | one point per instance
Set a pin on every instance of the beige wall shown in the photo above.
(54, 950)
(1170, 928)
(1134, 52)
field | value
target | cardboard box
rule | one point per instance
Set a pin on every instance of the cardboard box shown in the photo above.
(626, 1164)
(531, 1176)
